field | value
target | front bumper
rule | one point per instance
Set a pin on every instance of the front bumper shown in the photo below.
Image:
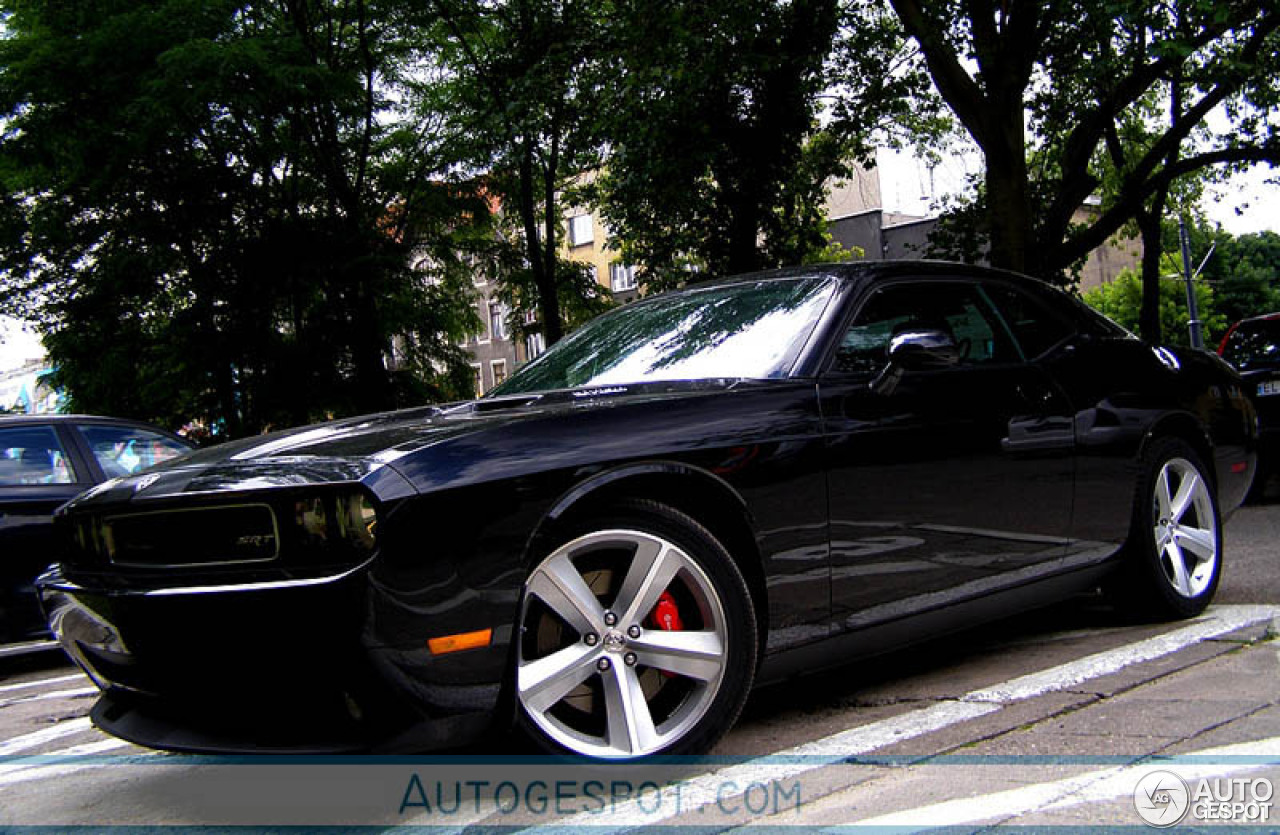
(293, 666)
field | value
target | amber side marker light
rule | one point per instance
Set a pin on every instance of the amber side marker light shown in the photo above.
(459, 642)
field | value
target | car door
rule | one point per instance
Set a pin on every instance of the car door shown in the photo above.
(38, 472)
(947, 483)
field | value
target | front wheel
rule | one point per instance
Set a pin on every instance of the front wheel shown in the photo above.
(637, 637)
(1175, 541)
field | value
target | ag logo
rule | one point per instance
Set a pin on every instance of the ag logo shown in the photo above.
(1161, 798)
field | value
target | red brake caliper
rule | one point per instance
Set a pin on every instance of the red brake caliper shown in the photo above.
(666, 616)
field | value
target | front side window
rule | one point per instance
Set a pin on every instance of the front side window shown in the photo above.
(32, 455)
(1033, 326)
(956, 308)
(747, 329)
(124, 450)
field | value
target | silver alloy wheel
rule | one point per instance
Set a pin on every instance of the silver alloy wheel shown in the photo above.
(1185, 529)
(614, 646)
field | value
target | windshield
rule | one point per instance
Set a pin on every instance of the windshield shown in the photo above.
(1254, 344)
(750, 329)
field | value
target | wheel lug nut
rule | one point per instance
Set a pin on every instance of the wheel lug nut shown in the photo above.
(629, 659)
(610, 619)
(633, 632)
(603, 664)
(591, 638)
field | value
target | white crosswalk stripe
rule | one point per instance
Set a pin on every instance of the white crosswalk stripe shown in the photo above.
(26, 685)
(1097, 786)
(44, 736)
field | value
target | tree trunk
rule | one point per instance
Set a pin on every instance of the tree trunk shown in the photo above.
(1149, 313)
(543, 279)
(1008, 196)
(373, 383)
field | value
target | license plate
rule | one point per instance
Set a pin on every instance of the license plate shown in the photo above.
(1269, 387)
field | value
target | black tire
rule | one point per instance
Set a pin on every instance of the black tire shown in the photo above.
(688, 711)
(1151, 583)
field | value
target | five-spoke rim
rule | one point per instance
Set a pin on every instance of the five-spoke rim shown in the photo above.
(1185, 530)
(644, 687)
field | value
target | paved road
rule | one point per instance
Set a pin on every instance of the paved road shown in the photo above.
(1051, 718)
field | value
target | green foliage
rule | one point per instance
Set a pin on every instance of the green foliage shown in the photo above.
(513, 90)
(716, 162)
(1072, 99)
(1121, 300)
(213, 206)
(1243, 270)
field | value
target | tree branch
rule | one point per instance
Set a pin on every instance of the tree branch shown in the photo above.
(957, 87)
(1107, 224)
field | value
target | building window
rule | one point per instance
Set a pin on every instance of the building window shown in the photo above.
(499, 369)
(580, 231)
(497, 320)
(622, 277)
(477, 380)
(534, 345)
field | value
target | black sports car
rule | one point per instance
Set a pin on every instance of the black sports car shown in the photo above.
(45, 460)
(696, 492)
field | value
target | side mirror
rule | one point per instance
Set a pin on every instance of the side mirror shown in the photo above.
(923, 349)
(916, 349)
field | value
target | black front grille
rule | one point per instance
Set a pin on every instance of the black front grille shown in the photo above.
(194, 536)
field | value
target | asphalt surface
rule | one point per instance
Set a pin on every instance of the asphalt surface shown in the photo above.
(1070, 716)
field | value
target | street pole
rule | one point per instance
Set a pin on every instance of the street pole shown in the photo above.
(1197, 339)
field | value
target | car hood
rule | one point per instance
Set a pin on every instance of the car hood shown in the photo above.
(359, 449)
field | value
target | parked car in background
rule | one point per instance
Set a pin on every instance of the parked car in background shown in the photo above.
(739, 482)
(44, 461)
(1253, 347)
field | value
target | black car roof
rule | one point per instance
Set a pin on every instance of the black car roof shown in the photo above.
(27, 420)
(61, 418)
(861, 271)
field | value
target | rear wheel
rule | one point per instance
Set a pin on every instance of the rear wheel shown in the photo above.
(1175, 540)
(637, 637)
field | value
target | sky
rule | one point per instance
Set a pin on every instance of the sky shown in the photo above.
(1247, 203)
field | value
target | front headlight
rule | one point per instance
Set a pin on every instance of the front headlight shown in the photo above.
(343, 520)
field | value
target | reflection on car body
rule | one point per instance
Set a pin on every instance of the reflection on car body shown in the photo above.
(694, 493)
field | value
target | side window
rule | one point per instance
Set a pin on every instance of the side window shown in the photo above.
(1032, 325)
(954, 307)
(33, 455)
(122, 450)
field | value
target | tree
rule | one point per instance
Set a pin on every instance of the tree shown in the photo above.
(1122, 301)
(212, 206)
(516, 82)
(1243, 270)
(716, 160)
(1047, 88)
